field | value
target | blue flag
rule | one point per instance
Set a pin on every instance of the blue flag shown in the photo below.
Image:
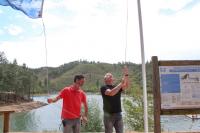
(32, 8)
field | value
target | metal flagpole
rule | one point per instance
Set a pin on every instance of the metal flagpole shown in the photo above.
(143, 69)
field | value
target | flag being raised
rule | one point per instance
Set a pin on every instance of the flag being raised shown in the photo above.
(32, 8)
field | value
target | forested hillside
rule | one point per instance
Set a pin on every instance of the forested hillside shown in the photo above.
(23, 79)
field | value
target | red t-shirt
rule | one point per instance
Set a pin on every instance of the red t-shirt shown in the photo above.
(72, 99)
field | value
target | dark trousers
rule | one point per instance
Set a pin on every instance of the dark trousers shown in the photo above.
(71, 125)
(113, 120)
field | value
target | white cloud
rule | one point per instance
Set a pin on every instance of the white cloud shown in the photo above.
(53, 4)
(1, 32)
(174, 4)
(14, 29)
(30, 52)
(172, 37)
(95, 30)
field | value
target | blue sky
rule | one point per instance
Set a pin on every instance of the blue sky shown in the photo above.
(95, 30)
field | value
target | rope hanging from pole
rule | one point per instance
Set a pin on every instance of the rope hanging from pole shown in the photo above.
(46, 59)
(126, 38)
(125, 51)
(126, 32)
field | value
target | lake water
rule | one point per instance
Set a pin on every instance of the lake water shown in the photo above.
(180, 123)
(47, 118)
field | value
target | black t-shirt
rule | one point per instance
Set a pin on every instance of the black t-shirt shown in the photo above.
(111, 104)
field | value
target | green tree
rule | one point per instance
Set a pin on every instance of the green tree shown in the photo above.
(3, 59)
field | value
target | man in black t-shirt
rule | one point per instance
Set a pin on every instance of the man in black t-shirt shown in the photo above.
(111, 95)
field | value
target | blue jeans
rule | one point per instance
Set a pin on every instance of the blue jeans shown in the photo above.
(71, 125)
(113, 120)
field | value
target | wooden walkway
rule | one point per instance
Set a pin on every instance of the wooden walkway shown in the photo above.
(101, 132)
(6, 110)
(22, 107)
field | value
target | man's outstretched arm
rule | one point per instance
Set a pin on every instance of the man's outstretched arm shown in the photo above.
(53, 100)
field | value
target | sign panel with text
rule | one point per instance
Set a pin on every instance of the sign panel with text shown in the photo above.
(179, 87)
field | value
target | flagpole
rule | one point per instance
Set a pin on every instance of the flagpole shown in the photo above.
(41, 12)
(143, 69)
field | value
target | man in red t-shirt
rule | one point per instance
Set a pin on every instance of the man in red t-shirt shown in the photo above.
(73, 96)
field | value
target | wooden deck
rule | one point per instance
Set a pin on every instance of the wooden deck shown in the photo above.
(101, 132)
(6, 110)
(22, 107)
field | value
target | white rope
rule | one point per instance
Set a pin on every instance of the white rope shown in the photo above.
(125, 52)
(126, 35)
(126, 32)
(46, 61)
(46, 57)
(47, 73)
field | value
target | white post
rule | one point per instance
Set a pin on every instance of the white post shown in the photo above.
(143, 69)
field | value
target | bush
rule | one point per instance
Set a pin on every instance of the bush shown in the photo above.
(95, 123)
(134, 114)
